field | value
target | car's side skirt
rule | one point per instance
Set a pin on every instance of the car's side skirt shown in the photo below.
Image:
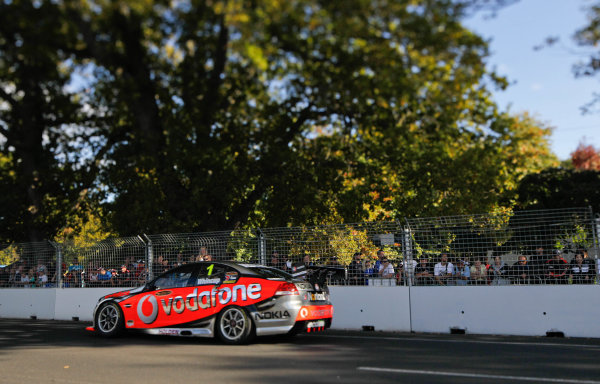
(186, 332)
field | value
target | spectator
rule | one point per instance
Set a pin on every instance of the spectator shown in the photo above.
(32, 278)
(16, 276)
(92, 276)
(124, 276)
(369, 271)
(41, 267)
(556, 269)
(589, 261)
(378, 262)
(42, 278)
(275, 262)
(24, 282)
(443, 271)
(386, 270)
(202, 254)
(478, 273)
(165, 265)
(356, 275)
(104, 277)
(537, 264)
(462, 273)
(306, 261)
(521, 272)
(423, 272)
(581, 272)
(498, 272)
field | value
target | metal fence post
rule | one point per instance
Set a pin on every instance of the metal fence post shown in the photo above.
(58, 248)
(408, 255)
(596, 233)
(262, 247)
(149, 258)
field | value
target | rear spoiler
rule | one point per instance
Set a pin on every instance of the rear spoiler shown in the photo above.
(322, 274)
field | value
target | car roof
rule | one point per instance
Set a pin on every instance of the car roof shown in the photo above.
(242, 268)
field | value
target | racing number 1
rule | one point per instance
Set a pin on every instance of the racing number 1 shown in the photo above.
(210, 268)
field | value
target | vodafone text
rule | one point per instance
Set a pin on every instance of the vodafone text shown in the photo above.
(202, 300)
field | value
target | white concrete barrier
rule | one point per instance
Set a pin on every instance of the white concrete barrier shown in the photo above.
(23, 303)
(79, 302)
(502, 310)
(508, 310)
(385, 308)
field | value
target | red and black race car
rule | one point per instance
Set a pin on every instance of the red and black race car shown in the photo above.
(233, 301)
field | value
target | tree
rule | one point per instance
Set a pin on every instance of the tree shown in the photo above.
(589, 37)
(586, 157)
(213, 115)
(560, 188)
(38, 179)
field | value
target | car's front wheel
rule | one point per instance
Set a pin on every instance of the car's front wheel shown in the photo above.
(109, 320)
(234, 326)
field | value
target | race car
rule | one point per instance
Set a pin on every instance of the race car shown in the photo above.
(232, 301)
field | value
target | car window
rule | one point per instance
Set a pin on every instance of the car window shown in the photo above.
(215, 274)
(176, 278)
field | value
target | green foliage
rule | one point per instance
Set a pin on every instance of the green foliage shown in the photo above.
(9, 255)
(560, 188)
(209, 115)
(242, 245)
(347, 241)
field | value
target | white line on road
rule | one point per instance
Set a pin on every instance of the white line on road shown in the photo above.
(466, 341)
(477, 375)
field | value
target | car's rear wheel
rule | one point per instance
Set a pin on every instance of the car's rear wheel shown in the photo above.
(234, 326)
(109, 320)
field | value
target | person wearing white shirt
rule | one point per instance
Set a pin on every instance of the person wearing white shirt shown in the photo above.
(443, 271)
(386, 269)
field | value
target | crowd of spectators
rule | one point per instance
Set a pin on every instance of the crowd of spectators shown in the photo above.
(129, 273)
(541, 267)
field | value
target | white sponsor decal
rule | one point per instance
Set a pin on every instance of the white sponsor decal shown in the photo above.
(304, 312)
(202, 300)
(148, 319)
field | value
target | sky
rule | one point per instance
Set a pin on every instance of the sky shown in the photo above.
(542, 81)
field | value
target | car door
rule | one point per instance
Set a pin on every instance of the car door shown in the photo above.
(209, 280)
(170, 302)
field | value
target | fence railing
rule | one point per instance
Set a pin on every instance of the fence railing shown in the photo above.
(526, 247)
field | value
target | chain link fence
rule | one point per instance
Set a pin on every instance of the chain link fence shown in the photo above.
(505, 248)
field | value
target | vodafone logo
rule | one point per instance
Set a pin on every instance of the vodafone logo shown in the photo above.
(304, 312)
(196, 301)
(148, 319)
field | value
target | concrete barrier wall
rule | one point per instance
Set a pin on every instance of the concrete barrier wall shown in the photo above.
(385, 308)
(26, 302)
(79, 302)
(507, 310)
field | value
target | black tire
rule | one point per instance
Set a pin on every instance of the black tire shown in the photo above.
(109, 320)
(234, 326)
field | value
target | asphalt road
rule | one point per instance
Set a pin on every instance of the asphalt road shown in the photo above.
(36, 351)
